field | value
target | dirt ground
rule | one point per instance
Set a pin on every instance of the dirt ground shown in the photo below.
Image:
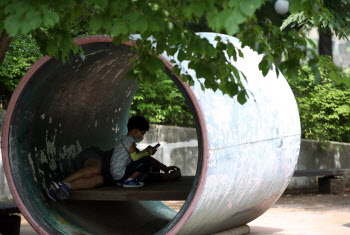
(301, 214)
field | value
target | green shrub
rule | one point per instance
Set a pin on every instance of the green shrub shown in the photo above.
(324, 109)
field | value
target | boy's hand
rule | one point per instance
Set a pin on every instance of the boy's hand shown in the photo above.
(151, 150)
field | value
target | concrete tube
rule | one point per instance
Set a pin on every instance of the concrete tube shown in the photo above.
(247, 153)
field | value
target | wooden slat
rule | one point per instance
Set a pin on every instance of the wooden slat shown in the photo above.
(171, 190)
(8, 208)
(322, 172)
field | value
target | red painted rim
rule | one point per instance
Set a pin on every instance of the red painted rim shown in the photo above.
(6, 131)
(5, 142)
(205, 142)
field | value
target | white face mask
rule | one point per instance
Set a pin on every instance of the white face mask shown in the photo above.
(139, 140)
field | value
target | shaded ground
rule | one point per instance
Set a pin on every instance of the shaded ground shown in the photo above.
(302, 214)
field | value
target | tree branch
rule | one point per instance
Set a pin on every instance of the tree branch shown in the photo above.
(5, 42)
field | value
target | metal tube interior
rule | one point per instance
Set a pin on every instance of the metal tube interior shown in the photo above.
(62, 109)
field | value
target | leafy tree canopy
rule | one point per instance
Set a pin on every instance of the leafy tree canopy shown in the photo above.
(173, 25)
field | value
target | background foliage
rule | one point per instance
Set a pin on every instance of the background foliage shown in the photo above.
(324, 109)
(162, 103)
(22, 53)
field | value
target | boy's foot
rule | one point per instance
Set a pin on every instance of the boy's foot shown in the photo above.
(132, 184)
(51, 194)
(62, 191)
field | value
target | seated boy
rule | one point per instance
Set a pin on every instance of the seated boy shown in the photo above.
(128, 163)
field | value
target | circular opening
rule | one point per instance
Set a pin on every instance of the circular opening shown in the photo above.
(60, 109)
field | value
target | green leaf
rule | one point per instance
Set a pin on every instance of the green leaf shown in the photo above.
(12, 25)
(76, 12)
(248, 7)
(119, 28)
(231, 51)
(239, 16)
(51, 18)
(277, 72)
(101, 3)
(240, 53)
(141, 25)
(181, 56)
(231, 25)
(334, 76)
(231, 28)
(295, 6)
(52, 48)
(233, 3)
(175, 70)
(194, 8)
(89, 2)
(117, 40)
(232, 89)
(82, 56)
(264, 66)
(33, 21)
(241, 97)
(10, 8)
(235, 72)
(96, 23)
(317, 74)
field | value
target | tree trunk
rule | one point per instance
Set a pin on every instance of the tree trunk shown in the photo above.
(5, 42)
(325, 47)
(325, 42)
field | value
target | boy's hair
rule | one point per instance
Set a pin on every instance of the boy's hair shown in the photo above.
(138, 122)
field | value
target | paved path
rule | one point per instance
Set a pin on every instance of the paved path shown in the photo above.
(312, 214)
(302, 214)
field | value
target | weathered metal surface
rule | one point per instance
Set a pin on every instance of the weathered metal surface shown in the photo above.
(247, 153)
(253, 148)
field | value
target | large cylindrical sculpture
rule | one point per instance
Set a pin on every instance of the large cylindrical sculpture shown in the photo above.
(247, 153)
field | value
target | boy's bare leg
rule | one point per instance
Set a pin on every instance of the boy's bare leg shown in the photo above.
(136, 174)
(92, 167)
(86, 183)
(89, 176)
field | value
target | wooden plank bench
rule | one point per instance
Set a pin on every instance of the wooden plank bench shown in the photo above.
(9, 223)
(157, 191)
(322, 172)
(331, 182)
